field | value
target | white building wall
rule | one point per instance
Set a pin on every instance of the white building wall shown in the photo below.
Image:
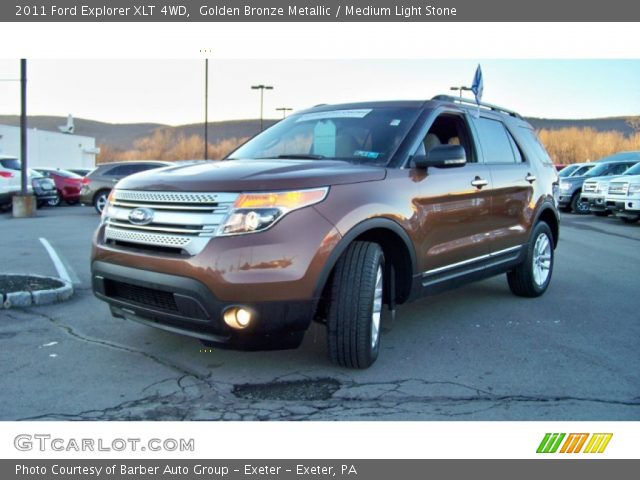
(50, 149)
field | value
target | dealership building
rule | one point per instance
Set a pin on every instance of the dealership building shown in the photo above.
(50, 149)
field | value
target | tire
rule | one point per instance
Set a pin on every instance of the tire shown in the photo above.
(356, 293)
(100, 200)
(531, 278)
(581, 208)
(628, 220)
(54, 202)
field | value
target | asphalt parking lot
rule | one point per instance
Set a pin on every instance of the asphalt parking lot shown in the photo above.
(477, 353)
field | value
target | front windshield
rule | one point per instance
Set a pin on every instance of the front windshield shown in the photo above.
(568, 170)
(363, 135)
(581, 171)
(598, 170)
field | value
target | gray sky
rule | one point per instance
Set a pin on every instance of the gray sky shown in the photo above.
(172, 91)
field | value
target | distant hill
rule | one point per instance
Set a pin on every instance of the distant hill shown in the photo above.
(617, 124)
(122, 135)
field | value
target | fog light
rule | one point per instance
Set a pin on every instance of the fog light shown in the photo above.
(237, 317)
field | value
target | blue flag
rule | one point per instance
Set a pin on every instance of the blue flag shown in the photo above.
(478, 85)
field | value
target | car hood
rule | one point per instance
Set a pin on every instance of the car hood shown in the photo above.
(252, 175)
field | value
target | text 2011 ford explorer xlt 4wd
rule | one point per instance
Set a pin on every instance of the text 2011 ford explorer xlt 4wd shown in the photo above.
(330, 215)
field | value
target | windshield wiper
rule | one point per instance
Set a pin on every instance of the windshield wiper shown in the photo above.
(302, 156)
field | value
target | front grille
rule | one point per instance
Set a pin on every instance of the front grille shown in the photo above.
(589, 187)
(180, 220)
(141, 295)
(618, 188)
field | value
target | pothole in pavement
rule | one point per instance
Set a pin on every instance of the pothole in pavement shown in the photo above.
(307, 389)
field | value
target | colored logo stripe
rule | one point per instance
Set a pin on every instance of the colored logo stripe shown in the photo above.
(574, 443)
(550, 443)
(597, 442)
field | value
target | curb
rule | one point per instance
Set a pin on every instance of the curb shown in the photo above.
(26, 298)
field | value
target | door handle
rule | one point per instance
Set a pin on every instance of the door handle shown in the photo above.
(479, 182)
(530, 178)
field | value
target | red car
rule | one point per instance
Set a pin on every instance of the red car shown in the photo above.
(68, 185)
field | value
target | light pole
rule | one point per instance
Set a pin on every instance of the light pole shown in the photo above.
(284, 111)
(262, 88)
(206, 109)
(461, 89)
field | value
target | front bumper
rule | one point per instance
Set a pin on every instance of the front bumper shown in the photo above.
(596, 202)
(564, 199)
(624, 206)
(274, 274)
(185, 306)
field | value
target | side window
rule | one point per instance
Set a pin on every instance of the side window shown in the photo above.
(497, 144)
(120, 170)
(618, 169)
(533, 145)
(447, 129)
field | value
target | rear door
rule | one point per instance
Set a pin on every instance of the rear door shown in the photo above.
(513, 178)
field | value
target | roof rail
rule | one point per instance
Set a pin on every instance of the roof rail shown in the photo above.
(468, 101)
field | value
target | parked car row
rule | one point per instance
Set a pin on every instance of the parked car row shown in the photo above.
(608, 186)
(10, 183)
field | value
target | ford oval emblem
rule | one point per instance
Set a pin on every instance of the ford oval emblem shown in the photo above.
(141, 216)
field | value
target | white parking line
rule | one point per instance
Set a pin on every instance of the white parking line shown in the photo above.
(62, 271)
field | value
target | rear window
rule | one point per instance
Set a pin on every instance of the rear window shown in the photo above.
(10, 163)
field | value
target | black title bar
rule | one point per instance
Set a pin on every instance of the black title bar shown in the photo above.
(319, 11)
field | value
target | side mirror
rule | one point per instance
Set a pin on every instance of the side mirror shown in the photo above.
(443, 156)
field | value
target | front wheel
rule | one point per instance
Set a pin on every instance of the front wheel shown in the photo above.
(531, 278)
(355, 306)
(54, 202)
(578, 206)
(630, 220)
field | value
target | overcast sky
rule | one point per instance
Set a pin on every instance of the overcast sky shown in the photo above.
(172, 91)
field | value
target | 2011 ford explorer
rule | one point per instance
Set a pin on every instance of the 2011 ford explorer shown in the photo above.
(330, 215)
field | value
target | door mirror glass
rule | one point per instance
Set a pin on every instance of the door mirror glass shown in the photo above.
(442, 156)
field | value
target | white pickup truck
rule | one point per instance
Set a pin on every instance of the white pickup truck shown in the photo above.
(623, 198)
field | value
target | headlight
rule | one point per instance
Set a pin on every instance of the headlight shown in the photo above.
(634, 188)
(255, 212)
(106, 211)
(565, 186)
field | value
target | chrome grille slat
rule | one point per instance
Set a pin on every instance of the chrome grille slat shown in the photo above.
(182, 220)
(618, 188)
(158, 206)
(175, 197)
(186, 231)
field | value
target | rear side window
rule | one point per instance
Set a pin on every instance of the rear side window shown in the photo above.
(497, 144)
(534, 146)
(124, 170)
(10, 163)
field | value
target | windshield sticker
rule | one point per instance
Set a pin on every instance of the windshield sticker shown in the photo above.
(366, 154)
(324, 139)
(395, 122)
(361, 113)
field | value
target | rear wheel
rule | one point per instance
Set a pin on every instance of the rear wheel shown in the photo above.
(579, 207)
(355, 306)
(531, 278)
(100, 200)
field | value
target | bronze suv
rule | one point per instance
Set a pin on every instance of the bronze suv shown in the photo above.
(336, 214)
